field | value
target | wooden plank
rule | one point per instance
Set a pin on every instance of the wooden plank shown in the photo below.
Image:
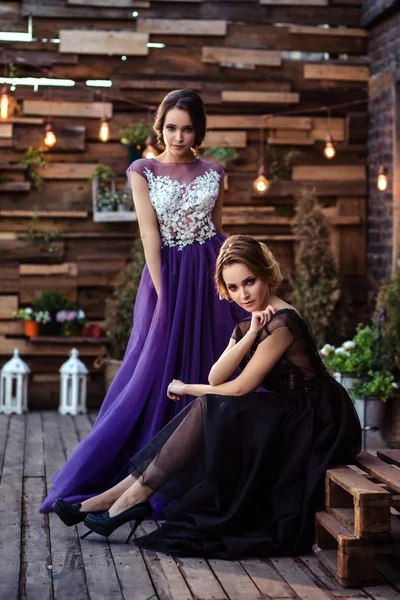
(163, 570)
(10, 539)
(27, 348)
(328, 173)
(25, 250)
(260, 97)
(113, 3)
(390, 456)
(60, 170)
(163, 84)
(34, 455)
(201, 27)
(322, 126)
(267, 579)
(257, 121)
(290, 141)
(14, 454)
(226, 139)
(325, 31)
(357, 485)
(50, 214)
(326, 581)
(299, 580)
(68, 138)
(36, 576)
(242, 56)
(8, 304)
(86, 41)
(89, 110)
(336, 72)
(388, 474)
(6, 130)
(68, 433)
(26, 120)
(4, 425)
(16, 186)
(234, 580)
(200, 579)
(70, 269)
(295, 2)
(11, 328)
(6, 143)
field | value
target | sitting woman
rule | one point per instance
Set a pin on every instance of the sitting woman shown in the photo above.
(242, 467)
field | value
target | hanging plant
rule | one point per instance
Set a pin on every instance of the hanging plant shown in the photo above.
(279, 167)
(46, 237)
(220, 153)
(33, 157)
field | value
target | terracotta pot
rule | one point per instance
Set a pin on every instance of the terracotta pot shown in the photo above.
(31, 328)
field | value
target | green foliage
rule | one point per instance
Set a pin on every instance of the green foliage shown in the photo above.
(103, 173)
(279, 167)
(316, 288)
(119, 308)
(389, 299)
(360, 359)
(135, 133)
(46, 237)
(33, 157)
(51, 300)
(109, 200)
(220, 154)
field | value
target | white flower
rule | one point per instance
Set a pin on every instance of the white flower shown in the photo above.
(395, 385)
(342, 351)
(81, 314)
(349, 345)
(327, 350)
(29, 311)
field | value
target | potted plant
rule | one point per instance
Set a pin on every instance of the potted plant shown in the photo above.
(364, 372)
(33, 157)
(134, 136)
(51, 301)
(119, 313)
(72, 321)
(110, 203)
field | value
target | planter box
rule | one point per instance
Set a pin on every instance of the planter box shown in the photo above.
(371, 412)
(109, 215)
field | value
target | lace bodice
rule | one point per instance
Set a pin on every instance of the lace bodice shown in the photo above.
(300, 366)
(183, 196)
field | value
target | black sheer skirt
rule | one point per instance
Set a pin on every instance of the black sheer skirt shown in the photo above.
(244, 476)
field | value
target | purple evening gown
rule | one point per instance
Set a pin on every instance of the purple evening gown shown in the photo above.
(179, 334)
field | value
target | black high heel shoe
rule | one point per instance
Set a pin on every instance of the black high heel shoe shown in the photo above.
(105, 525)
(69, 513)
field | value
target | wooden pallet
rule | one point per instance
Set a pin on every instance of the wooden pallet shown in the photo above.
(360, 520)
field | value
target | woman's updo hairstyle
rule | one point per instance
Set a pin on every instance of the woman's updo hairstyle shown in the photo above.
(255, 255)
(184, 100)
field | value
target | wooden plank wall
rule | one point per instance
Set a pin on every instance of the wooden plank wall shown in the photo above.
(245, 64)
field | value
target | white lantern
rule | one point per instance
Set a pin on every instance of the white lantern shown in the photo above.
(73, 385)
(14, 386)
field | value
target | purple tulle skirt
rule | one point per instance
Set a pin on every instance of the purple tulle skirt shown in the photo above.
(178, 335)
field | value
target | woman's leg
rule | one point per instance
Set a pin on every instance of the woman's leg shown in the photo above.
(106, 499)
(182, 447)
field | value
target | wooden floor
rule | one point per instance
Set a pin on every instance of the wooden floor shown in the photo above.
(42, 559)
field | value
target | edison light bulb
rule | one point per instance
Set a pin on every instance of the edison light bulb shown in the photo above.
(149, 152)
(329, 150)
(4, 104)
(382, 179)
(104, 131)
(50, 138)
(261, 183)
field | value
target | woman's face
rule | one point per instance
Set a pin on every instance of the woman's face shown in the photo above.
(245, 288)
(178, 132)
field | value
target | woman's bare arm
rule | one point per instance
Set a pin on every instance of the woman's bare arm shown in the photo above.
(148, 225)
(263, 361)
(230, 359)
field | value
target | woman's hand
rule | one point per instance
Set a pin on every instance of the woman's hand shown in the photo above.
(175, 389)
(260, 318)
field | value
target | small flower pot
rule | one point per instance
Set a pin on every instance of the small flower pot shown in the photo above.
(347, 381)
(31, 328)
(52, 327)
(71, 329)
(370, 412)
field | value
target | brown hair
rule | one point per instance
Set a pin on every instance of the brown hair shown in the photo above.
(189, 101)
(255, 255)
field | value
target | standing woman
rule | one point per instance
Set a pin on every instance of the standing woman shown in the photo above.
(180, 325)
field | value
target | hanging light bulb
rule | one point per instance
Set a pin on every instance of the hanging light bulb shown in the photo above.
(104, 131)
(149, 151)
(50, 138)
(4, 103)
(329, 150)
(261, 183)
(382, 182)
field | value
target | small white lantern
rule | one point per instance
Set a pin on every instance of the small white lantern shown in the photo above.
(73, 385)
(14, 386)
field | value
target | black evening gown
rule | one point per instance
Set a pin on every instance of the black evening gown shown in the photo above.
(244, 475)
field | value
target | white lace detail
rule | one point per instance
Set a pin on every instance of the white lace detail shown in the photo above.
(184, 209)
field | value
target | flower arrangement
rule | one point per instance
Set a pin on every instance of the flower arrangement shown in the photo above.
(71, 321)
(28, 314)
(220, 153)
(114, 200)
(135, 133)
(359, 358)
